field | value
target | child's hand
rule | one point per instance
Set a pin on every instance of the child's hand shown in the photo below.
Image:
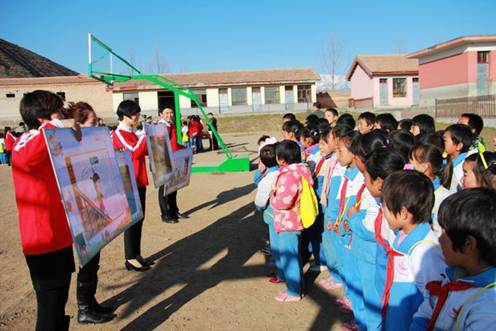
(346, 226)
(335, 227)
(328, 225)
(352, 210)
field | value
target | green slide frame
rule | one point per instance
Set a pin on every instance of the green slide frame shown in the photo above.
(231, 163)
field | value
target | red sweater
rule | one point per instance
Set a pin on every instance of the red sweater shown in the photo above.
(9, 141)
(42, 220)
(195, 128)
(171, 131)
(123, 138)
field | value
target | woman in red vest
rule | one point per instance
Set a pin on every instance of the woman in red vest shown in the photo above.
(124, 138)
(45, 236)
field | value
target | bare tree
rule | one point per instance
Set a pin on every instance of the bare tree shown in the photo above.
(159, 63)
(131, 58)
(332, 52)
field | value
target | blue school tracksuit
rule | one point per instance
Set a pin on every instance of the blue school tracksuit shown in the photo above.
(331, 212)
(347, 261)
(364, 248)
(421, 261)
(456, 179)
(268, 218)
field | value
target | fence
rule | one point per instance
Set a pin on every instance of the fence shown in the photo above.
(484, 106)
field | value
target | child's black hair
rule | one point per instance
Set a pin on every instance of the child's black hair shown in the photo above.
(402, 141)
(333, 111)
(293, 126)
(39, 104)
(387, 122)
(323, 126)
(312, 134)
(461, 133)
(268, 155)
(368, 117)
(425, 123)
(435, 139)
(289, 116)
(422, 153)
(471, 212)
(475, 122)
(405, 124)
(262, 139)
(409, 189)
(484, 176)
(288, 151)
(346, 119)
(127, 108)
(364, 145)
(383, 162)
(312, 120)
(348, 137)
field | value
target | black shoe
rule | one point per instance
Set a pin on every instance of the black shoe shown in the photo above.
(102, 309)
(130, 266)
(183, 216)
(144, 261)
(87, 315)
(169, 220)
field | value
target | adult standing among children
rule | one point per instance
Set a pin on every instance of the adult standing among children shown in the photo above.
(45, 236)
(168, 202)
(214, 144)
(89, 310)
(9, 144)
(124, 137)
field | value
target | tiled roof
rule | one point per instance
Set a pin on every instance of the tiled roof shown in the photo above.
(57, 80)
(229, 78)
(376, 65)
(491, 38)
(16, 61)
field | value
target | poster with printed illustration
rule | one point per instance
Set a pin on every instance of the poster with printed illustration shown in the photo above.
(91, 188)
(182, 161)
(159, 152)
(126, 170)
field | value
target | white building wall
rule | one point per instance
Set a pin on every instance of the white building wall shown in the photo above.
(148, 101)
(282, 94)
(117, 98)
(212, 97)
(314, 93)
(262, 95)
(295, 93)
(184, 102)
(249, 95)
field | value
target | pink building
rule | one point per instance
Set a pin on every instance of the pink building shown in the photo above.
(462, 67)
(383, 81)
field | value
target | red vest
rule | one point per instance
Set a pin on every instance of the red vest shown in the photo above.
(42, 220)
(122, 139)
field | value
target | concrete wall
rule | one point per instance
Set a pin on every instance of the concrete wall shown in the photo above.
(95, 94)
(361, 84)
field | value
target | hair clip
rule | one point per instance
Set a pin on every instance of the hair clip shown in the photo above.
(408, 166)
(482, 149)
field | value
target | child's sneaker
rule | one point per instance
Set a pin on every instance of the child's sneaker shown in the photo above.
(329, 284)
(350, 326)
(344, 304)
(284, 297)
(274, 280)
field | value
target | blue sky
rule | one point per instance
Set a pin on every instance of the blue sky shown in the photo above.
(231, 35)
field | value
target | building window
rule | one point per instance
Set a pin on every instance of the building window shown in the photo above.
(271, 94)
(415, 79)
(10, 95)
(238, 96)
(399, 87)
(131, 96)
(62, 95)
(483, 57)
(304, 93)
(201, 95)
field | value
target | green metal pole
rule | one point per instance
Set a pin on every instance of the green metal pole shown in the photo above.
(177, 113)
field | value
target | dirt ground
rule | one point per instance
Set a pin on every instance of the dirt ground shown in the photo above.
(209, 273)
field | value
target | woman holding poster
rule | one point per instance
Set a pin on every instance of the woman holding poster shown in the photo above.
(45, 236)
(123, 138)
(89, 310)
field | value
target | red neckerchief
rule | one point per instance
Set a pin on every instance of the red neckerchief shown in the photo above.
(436, 288)
(319, 166)
(391, 253)
(359, 195)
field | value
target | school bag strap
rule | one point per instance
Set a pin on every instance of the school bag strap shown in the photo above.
(470, 299)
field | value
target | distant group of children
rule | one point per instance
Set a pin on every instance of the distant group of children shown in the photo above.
(405, 222)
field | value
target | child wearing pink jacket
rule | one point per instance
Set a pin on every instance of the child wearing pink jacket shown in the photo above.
(285, 200)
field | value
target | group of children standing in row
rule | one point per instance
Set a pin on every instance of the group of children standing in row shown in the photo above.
(406, 224)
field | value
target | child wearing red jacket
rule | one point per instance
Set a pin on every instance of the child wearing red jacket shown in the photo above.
(124, 138)
(45, 236)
